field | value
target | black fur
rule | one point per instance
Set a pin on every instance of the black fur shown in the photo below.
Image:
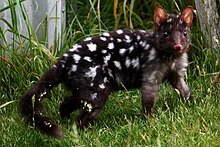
(95, 67)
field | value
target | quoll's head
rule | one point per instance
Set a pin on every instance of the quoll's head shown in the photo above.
(173, 31)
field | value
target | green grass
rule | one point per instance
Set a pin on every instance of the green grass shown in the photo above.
(175, 122)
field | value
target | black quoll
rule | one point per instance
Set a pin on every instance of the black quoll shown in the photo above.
(96, 66)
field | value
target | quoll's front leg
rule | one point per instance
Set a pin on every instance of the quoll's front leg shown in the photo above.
(180, 84)
(149, 96)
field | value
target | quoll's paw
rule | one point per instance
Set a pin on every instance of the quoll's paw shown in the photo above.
(83, 124)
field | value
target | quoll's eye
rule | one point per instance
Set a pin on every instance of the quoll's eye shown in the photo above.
(185, 33)
(165, 34)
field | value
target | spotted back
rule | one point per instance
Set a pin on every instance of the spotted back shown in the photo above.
(119, 52)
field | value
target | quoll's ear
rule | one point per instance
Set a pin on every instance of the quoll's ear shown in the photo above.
(187, 15)
(160, 15)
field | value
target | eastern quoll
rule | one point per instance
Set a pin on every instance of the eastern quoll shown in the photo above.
(98, 65)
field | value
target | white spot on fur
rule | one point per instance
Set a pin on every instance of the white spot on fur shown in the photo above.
(144, 43)
(169, 20)
(62, 65)
(131, 49)
(74, 68)
(87, 58)
(118, 64)
(143, 31)
(102, 86)
(119, 40)
(87, 106)
(152, 54)
(75, 48)
(88, 39)
(111, 45)
(47, 124)
(110, 73)
(44, 93)
(122, 51)
(138, 37)
(127, 62)
(92, 47)
(147, 46)
(106, 34)
(92, 72)
(135, 63)
(178, 15)
(94, 96)
(105, 80)
(103, 38)
(119, 31)
(127, 39)
(141, 42)
(136, 44)
(76, 58)
(107, 58)
(104, 51)
(65, 55)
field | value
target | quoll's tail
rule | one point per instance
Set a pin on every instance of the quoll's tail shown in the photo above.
(31, 106)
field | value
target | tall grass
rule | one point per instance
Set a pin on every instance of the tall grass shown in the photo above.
(122, 123)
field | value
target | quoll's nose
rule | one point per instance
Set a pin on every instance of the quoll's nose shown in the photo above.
(178, 47)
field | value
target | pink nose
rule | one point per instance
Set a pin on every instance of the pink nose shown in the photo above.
(178, 47)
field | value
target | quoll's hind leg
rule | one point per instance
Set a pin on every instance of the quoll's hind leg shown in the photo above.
(69, 105)
(92, 107)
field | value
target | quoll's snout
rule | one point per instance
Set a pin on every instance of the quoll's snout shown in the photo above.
(178, 47)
